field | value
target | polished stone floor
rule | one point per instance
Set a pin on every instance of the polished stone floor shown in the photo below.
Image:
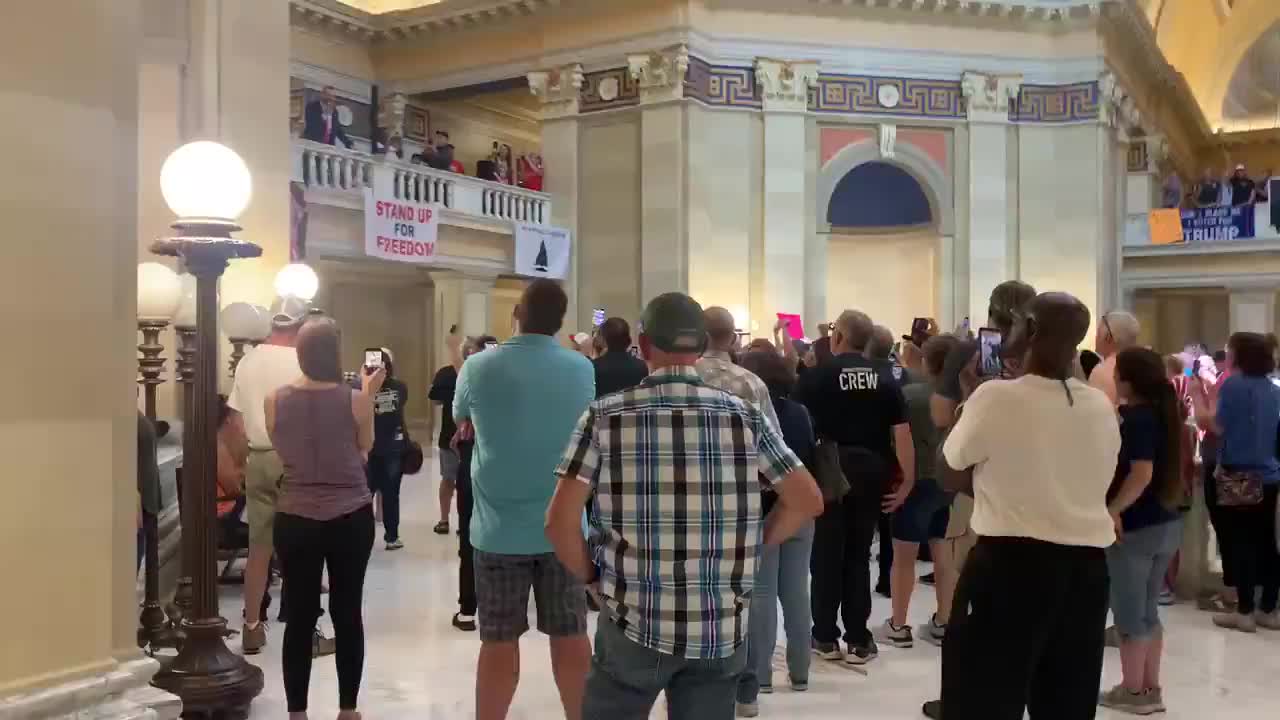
(419, 667)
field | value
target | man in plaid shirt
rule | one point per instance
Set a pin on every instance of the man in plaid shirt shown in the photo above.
(676, 467)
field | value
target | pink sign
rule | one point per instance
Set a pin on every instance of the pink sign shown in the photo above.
(795, 328)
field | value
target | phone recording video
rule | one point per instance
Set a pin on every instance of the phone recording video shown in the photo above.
(373, 359)
(989, 340)
(597, 317)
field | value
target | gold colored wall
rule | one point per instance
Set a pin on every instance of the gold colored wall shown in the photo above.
(890, 277)
(609, 217)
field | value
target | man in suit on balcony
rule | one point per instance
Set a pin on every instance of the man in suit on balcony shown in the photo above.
(322, 124)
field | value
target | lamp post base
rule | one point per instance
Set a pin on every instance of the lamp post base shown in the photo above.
(213, 682)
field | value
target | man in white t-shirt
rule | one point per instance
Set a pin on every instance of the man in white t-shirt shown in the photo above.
(264, 369)
(1040, 451)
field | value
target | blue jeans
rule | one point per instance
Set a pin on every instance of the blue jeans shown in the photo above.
(625, 680)
(783, 575)
(1137, 563)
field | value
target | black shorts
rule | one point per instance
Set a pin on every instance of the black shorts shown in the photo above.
(925, 514)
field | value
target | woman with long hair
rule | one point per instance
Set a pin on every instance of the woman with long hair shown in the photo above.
(323, 430)
(1244, 412)
(783, 573)
(1144, 502)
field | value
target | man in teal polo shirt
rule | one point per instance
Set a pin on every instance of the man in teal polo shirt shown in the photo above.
(523, 399)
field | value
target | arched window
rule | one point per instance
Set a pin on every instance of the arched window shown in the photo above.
(878, 195)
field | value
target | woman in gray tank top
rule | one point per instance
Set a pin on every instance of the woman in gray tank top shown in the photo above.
(323, 431)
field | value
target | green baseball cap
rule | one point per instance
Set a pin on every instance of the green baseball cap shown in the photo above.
(673, 322)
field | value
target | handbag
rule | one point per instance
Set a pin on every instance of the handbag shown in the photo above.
(826, 469)
(411, 458)
(1238, 488)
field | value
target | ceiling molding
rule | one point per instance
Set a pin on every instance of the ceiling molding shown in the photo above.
(1048, 11)
(337, 18)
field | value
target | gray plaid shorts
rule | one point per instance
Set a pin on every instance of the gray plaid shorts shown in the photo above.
(502, 596)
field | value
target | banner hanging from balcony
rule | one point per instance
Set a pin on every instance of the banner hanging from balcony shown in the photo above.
(542, 251)
(399, 230)
(1217, 223)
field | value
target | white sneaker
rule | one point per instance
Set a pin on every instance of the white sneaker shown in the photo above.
(899, 637)
(933, 633)
(1236, 621)
(748, 710)
(861, 654)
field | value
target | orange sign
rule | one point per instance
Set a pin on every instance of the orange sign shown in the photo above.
(1166, 226)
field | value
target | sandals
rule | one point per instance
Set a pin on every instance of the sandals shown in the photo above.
(441, 528)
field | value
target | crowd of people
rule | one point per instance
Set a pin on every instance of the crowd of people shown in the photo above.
(685, 486)
(1233, 187)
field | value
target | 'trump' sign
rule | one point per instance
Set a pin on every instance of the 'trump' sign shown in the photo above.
(1217, 223)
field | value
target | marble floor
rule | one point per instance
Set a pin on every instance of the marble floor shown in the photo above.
(418, 666)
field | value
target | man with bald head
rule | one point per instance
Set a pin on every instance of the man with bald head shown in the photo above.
(1038, 454)
(1117, 330)
(717, 368)
(856, 404)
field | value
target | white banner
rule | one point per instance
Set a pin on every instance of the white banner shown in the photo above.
(399, 230)
(542, 251)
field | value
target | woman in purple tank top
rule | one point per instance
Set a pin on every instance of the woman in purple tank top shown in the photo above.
(323, 431)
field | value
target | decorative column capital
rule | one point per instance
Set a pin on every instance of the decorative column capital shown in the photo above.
(987, 95)
(1116, 107)
(558, 89)
(784, 86)
(660, 73)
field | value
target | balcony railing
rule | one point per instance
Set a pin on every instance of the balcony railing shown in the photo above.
(348, 172)
(1137, 232)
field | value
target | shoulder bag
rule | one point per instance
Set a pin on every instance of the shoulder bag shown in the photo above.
(1239, 488)
(826, 469)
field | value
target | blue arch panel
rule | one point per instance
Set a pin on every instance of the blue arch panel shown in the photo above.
(878, 194)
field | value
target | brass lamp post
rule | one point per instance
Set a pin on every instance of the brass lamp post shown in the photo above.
(207, 186)
(159, 292)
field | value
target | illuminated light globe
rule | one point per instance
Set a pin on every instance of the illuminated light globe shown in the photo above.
(205, 181)
(185, 316)
(297, 280)
(159, 292)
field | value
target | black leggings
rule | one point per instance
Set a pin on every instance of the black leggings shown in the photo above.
(304, 547)
(1251, 542)
(466, 554)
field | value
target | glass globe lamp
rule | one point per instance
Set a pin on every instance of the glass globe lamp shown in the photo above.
(245, 322)
(205, 183)
(159, 292)
(297, 280)
(185, 315)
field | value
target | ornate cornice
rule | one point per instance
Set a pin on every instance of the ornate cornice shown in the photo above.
(559, 90)
(333, 17)
(1047, 11)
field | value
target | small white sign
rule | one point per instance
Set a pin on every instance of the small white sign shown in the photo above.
(399, 230)
(542, 251)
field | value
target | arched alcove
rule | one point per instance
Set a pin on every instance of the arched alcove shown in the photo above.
(932, 180)
(878, 195)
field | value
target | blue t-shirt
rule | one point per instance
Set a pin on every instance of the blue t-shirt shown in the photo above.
(1248, 413)
(525, 398)
(1143, 437)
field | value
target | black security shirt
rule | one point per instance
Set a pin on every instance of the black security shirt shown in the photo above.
(854, 401)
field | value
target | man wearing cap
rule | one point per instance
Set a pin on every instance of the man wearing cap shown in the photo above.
(264, 369)
(676, 467)
(717, 368)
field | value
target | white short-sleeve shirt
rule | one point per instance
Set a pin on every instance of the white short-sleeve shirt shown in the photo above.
(1042, 464)
(262, 370)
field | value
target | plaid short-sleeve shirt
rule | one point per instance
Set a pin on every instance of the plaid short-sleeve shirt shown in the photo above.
(677, 467)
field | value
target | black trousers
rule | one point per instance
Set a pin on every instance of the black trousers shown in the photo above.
(1251, 542)
(304, 547)
(1026, 632)
(384, 475)
(1221, 526)
(466, 553)
(840, 566)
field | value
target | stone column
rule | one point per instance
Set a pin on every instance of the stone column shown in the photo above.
(784, 90)
(664, 265)
(557, 89)
(991, 260)
(944, 301)
(69, 290)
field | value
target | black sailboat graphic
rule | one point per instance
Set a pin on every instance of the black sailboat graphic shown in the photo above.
(540, 262)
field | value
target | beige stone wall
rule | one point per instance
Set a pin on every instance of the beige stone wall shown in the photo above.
(609, 217)
(889, 277)
(316, 49)
(66, 528)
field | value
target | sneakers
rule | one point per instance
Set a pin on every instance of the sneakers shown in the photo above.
(897, 636)
(766, 689)
(932, 709)
(396, 544)
(1133, 703)
(1157, 699)
(441, 528)
(861, 654)
(748, 710)
(1236, 621)
(929, 579)
(1166, 598)
(827, 650)
(799, 685)
(322, 646)
(253, 639)
(1267, 621)
(933, 633)
(465, 623)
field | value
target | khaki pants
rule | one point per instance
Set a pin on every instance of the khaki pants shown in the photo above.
(263, 475)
